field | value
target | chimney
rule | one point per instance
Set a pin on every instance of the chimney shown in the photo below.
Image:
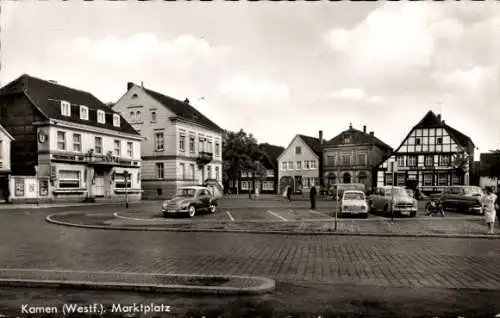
(321, 137)
(186, 101)
(142, 84)
(443, 122)
(439, 117)
(350, 125)
(129, 85)
(364, 129)
(372, 133)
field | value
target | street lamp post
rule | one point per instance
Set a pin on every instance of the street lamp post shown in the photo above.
(126, 175)
(337, 199)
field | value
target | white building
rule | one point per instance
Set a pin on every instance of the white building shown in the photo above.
(181, 146)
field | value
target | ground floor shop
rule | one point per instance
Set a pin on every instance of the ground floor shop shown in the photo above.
(348, 176)
(298, 183)
(245, 185)
(63, 181)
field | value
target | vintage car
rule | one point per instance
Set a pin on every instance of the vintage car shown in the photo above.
(460, 198)
(354, 203)
(189, 201)
(391, 200)
(341, 187)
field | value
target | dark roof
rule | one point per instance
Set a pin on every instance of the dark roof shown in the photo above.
(431, 120)
(183, 110)
(313, 143)
(487, 160)
(358, 137)
(271, 151)
(46, 96)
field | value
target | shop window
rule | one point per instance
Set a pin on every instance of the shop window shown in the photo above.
(69, 179)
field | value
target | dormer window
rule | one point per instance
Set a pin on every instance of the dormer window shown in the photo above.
(116, 120)
(101, 117)
(84, 112)
(65, 108)
(347, 139)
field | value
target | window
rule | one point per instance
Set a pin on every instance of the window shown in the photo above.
(182, 141)
(362, 178)
(130, 149)
(331, 160)
(98, 145)
(61, 140)
(209, 146)
(299, 164)
(120, 181)
(400, 180)
(412, 161)
(268, 185)
(69, 179)
(455, 179)
(116, 120)
(191, 144)
(427, 179)
(429, 161)
(77, 142)
(347, 139)
(153, 116)
(361, 159)
(101, 117)
(183, 170)
(138, 115)
(298, 150)
(217, 148)
(244, 174)
(442, 179)
(191, 166)
(283, 165)
(313, 164)
(159, 141)
(159, 170)
(132, 116)
(65, 108)
(290, 164)
(270, 173)
(444, 160)
(217, 173)
(400, 160)
(439, 140)
(417, 141)
(388, 179)
(306, 164)
(84, 112)
(201, 144)
(244, 185)
(117, 148)
(209, 172)
(346, 159)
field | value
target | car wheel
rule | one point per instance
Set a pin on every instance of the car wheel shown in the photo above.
(191, 211)
(372, 208)
(212, 208)
(365, 216)
(386, 209)
(428, 209)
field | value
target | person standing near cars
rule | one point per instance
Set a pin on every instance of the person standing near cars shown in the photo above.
(312, 197)
(489, 209)
(289, 193)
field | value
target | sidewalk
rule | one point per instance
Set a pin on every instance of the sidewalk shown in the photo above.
(20, 206)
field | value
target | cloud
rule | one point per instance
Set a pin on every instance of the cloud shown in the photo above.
(355, 95)
(244, 88)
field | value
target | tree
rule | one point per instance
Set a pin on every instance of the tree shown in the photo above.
(461, 162)
(239, 153)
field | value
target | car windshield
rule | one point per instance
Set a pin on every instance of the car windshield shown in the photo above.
(398, 192)
(186, 193)
(354, 196)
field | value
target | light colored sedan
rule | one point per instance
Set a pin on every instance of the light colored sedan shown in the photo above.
(189, 201)
(393, 199)
(354, 203)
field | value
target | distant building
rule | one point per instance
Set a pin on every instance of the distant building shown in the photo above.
(5, 172)
(352, 155)
(69, 146)
(432, 156)
(181, 146)
(299, 164)
(489, 162)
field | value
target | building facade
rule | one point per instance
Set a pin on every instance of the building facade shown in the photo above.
(489, 170)
(68, 145)
(299, 164)
(351, 156)
(267, 183)
(432, 156)
(181, 146)
(5, 170)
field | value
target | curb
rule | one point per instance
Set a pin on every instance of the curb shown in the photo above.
(266, 285)
(297, 233)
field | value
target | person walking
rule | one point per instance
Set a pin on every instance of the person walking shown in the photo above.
(489, 209)
(289, 193)
(285, 193)
(312, 197)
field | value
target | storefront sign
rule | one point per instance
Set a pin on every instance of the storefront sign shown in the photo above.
(19, 184)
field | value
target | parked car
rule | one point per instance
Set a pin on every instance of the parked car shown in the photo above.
(189, 201)
(402, 203)
(460, 198)
(345, 187)
(354, 203)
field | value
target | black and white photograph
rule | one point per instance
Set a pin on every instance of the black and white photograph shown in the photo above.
(229, 159)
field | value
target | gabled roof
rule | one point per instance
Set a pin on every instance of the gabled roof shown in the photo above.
(487, 160)
(271, 151)
(358, 137)
(313, 143)
(183, 110)
(6, 133)
(431, 120)
(46, 96)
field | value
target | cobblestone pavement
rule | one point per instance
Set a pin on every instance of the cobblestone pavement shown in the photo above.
(30, 242)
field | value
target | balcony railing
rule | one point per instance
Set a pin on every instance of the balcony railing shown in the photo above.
(204, 158)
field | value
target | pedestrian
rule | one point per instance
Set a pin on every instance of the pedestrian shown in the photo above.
(285, 193)
(489, 209)
(312, 197)
(289, 193)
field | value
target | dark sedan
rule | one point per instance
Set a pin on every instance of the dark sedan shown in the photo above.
(189, 201)
(461, 198)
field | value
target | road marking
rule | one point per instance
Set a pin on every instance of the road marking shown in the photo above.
(319, 213)
(277, 215)
(230, 216)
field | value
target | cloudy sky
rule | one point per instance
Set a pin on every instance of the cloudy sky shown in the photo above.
(275, 69)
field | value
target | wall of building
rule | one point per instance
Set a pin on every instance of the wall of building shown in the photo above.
(5, 164)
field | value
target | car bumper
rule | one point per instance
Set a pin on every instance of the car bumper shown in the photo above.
(405, 211)
(354, 212)
(476, 209)
(173, 211)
